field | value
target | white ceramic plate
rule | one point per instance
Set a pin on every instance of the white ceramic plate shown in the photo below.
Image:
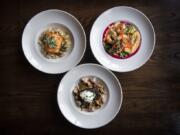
(125, 14)
(43, 21)
(101, 116)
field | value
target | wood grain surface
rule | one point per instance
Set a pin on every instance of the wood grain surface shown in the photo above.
(151, 103)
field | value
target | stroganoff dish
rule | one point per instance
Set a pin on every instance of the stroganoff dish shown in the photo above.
(90, 94)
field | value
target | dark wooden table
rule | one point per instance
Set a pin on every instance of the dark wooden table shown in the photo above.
(151, 102)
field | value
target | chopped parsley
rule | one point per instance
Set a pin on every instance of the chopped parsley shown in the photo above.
(50, 41)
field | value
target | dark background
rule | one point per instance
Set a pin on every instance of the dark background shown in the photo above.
(151, 102)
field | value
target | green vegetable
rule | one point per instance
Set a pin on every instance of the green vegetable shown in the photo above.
(123, 54)
(130, 29)
(113, 50)
(107, 46)
(126, 30)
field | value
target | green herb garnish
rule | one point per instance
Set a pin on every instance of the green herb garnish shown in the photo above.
(63, 48)
(50, 41)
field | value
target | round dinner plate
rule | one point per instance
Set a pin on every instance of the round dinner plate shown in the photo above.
(123, 13)
(99, 117)
(47, 19)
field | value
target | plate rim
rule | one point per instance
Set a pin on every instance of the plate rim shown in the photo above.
(78, 22)
(121, 99)
(153, 46)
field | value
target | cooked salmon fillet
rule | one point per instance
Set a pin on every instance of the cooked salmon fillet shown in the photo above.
(58, 40)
